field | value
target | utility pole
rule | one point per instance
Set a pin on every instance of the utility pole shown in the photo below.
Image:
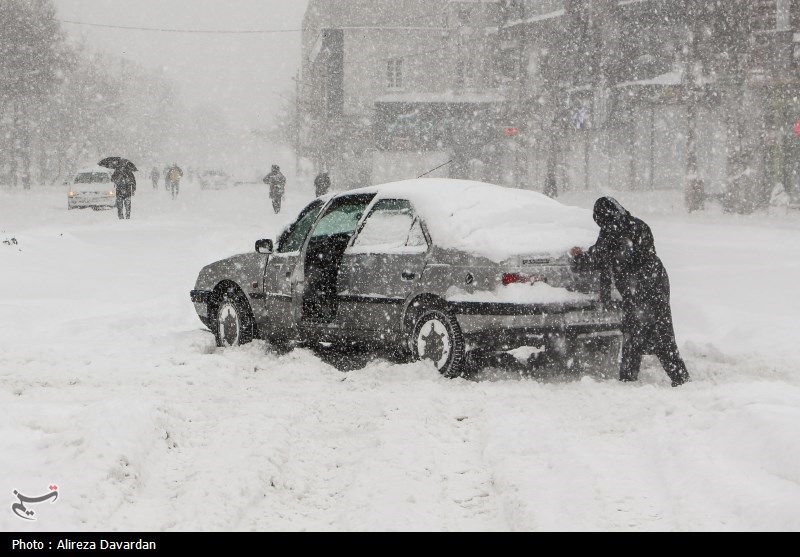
(297, 121)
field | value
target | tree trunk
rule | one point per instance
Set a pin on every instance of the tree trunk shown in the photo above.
(15, 141)
(25, 148)
(695, 188)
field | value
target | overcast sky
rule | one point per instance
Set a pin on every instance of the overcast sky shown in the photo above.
(242, 74)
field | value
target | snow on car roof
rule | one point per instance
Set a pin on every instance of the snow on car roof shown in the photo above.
(93, 169)
(493, 221)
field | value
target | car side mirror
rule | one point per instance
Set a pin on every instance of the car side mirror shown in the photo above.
(265, 247)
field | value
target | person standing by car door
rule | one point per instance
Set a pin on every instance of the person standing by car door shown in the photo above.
(174, 175)
(625, 253)
(125, 183)
(277, 187)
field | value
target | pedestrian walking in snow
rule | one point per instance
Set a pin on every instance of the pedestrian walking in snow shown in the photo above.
(322, 184)
(277, 187)
(155, 176)
(125, 183)
(625, 253)
(174, 175)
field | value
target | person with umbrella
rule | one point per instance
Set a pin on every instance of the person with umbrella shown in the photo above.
(125, 183)
(625, 252)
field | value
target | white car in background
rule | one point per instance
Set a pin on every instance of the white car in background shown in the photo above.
(92, 187)
(215, 180)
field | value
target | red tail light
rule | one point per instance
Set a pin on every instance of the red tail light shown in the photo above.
(519, 278)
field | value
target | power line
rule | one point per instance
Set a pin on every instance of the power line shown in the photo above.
(194, 31)
(222, 31)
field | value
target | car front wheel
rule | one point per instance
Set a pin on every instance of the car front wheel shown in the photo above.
(437, 338)
(233, 324)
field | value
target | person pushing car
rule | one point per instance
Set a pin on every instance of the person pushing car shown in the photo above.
(625, 253)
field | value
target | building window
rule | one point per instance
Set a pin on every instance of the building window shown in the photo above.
(394, 73)
(466, 74)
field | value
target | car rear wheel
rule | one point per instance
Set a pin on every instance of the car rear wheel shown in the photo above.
(437, 338)
(233, 322)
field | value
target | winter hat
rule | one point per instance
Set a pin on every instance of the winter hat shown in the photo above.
(608, 211)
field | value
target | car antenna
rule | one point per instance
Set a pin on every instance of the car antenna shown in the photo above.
(435, 169)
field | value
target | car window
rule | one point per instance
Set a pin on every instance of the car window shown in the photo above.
(92, 178)
(390, 227)
(293, 240)
(342, 217)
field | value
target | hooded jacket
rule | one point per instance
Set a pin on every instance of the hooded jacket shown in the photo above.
(625, 253)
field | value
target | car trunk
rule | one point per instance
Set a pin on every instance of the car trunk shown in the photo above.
(556, 272)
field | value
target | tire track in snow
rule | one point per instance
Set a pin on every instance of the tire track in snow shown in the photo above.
(390, 448)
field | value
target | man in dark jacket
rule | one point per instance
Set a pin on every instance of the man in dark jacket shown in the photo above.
(125, 183)
(625, 253)
(322, 184)
(277, 187)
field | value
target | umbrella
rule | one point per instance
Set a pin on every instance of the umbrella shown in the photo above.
(117, 163)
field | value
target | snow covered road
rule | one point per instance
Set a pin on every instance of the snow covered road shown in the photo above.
(110, 388)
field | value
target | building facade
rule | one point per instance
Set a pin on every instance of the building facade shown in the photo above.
(393, 88)
(557, 95)
(656, 94)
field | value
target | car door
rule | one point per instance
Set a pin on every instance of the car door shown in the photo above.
(278, 275)
(322, 258)
(382, 267)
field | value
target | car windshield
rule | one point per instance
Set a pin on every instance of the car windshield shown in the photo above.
(342, 217)
(92, 178)
(293, 239)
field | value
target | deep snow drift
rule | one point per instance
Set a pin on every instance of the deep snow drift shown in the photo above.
(110, 389)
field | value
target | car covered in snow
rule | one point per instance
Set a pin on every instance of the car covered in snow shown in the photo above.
(438, 270)
(92, 187)
(215, 180)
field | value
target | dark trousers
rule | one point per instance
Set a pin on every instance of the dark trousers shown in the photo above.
(174, 189)
(124, 202)
(276, 204)
(651, 332)
(666, 350)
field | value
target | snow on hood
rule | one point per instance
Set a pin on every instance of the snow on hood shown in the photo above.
(494, 222)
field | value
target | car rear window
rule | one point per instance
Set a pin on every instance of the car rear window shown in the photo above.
(92, 178)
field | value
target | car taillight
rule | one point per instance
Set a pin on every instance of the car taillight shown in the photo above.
(519, 278)
(72, 194)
